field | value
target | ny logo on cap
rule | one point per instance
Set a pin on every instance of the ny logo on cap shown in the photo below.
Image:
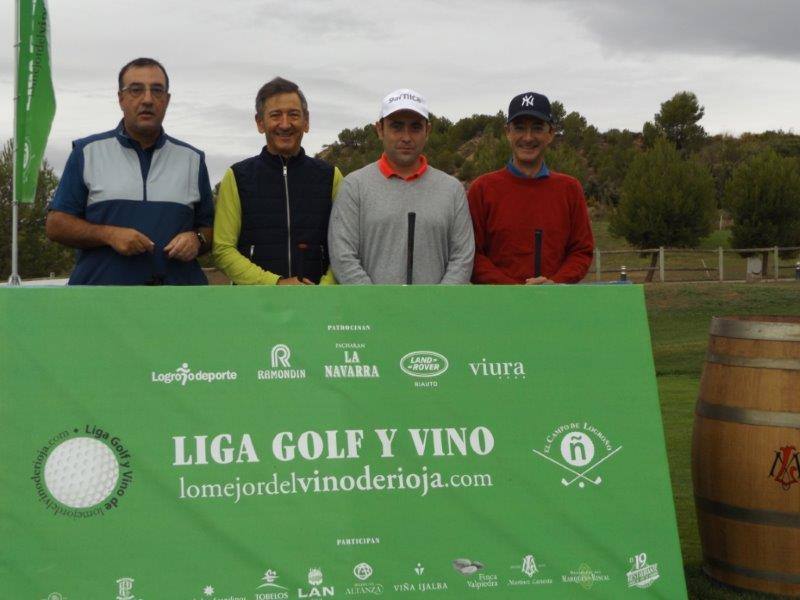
(528, 100)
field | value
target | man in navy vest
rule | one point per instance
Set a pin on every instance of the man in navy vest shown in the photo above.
(273, 209)
(135, 201)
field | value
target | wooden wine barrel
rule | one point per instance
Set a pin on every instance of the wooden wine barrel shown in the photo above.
(745, 463)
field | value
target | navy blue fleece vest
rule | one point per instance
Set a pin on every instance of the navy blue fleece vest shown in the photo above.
(269, 236)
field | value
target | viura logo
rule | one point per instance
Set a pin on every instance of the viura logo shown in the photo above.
(498, 370)
(425, 365)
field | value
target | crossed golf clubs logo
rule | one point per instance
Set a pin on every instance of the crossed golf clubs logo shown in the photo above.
(578, 451)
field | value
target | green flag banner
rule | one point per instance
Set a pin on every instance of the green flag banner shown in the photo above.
(36, 102)
(267, 443)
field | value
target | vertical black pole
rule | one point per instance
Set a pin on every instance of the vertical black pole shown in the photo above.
(537, 253)
(412, 217)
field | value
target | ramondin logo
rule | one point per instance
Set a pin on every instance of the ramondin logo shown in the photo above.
(581, 449)
(184, 374)
(424, 363)
(82, 472)
(279, 357)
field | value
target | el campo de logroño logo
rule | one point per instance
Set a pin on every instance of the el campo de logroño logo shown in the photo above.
(578, 449)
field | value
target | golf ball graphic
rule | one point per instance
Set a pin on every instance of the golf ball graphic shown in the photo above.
(81, 472)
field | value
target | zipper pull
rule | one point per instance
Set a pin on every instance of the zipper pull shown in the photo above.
(284, 170)
(252, 249)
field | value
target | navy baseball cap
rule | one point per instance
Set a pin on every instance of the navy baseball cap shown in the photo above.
(531, 104)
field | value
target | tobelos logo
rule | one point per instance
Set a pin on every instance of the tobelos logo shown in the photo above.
(424, 363)
(184, 374)
(82, 473)
(581, 449)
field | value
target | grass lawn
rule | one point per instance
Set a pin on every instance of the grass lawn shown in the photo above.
(680, 315)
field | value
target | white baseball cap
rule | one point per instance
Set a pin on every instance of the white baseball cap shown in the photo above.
(404, 99)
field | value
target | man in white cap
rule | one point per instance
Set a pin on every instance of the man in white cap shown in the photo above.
(371, 234)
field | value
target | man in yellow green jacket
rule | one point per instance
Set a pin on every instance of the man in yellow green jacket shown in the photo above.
(273, 209)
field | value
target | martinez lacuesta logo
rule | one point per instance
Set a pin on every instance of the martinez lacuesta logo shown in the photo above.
(579, 449)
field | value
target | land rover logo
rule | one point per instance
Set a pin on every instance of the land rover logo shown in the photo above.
(424, 363)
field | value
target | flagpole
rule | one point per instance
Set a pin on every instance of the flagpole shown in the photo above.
(14, 279)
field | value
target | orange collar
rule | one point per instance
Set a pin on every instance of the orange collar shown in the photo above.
(388, 171)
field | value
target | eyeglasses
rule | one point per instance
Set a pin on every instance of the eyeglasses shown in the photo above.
(136, 90)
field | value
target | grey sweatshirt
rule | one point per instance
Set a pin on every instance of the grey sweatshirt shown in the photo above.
(368, 231)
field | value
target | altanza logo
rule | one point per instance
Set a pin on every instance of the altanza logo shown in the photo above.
(184, 374)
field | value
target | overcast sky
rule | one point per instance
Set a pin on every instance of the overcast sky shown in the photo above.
(614, 61)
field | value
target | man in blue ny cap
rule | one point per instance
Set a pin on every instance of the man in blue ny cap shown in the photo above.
(510, 205)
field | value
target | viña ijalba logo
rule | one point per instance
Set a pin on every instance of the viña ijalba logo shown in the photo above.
(579, 449)
(184, 374)
(281, 367)
(785, 467)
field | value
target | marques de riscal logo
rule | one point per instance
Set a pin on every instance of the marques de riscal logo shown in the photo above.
(641, 574)
(498, 369)
(578, 448)
(281, 367)
(585, 577)
(82, 472)
(184, 374)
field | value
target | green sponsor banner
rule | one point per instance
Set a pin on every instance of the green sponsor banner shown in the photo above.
(269, 443)
(35, 102)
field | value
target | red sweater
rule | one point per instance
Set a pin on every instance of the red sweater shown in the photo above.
(506, 210)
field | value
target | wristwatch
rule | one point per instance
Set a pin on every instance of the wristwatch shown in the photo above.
(201, 237)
